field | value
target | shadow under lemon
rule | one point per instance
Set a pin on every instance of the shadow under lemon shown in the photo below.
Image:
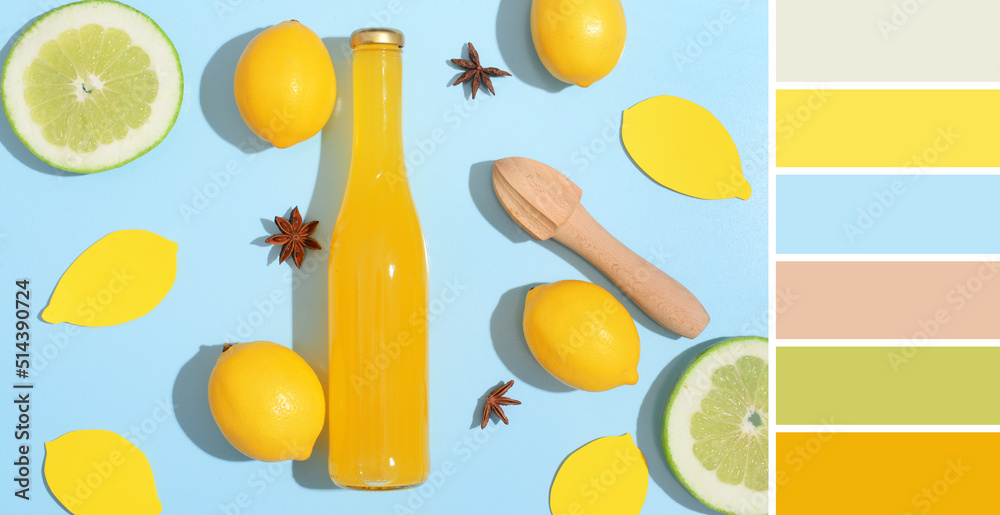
(190, 398)
(218, 103)
(310, 337)
(508, 340)
(513, 29)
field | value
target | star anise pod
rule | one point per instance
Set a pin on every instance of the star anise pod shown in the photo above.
(294, 237)
(476, 73)
(494, 403)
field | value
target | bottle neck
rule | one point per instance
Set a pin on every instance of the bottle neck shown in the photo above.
(378, 130)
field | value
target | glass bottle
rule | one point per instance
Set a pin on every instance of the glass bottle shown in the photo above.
(378, 291)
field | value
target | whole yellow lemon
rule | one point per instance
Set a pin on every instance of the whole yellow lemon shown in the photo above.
(267, 401)
(578, 41)
(581, 335)
(285, 85)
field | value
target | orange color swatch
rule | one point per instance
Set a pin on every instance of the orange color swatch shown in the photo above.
(916, 301)
(887, 473)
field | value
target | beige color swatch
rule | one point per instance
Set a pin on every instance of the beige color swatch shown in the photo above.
(916, 301)
(888, 40)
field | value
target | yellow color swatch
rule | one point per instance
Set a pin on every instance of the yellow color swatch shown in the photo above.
(120, 278)
(887, 473)
(95, 472)
(888, 128)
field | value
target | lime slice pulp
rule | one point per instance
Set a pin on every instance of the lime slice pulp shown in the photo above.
(92, 85)
(715, 427)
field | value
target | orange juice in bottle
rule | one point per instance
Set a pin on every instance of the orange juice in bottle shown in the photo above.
(378, 291)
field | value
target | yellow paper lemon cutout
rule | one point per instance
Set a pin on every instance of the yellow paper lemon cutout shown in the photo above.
(120, 278)
(94, 472)
(607, 476)
(682, 146)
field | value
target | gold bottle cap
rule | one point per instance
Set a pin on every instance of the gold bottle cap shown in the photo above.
(376, 35)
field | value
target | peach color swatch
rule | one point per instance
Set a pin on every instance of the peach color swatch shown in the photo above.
(917, 301)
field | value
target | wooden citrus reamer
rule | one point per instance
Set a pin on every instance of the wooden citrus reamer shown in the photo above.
(546, 204)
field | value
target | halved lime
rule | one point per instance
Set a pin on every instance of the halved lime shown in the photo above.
(92, 85)
(715, 427)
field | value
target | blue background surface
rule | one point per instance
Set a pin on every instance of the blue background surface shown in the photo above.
(206, 189)
(886, 214)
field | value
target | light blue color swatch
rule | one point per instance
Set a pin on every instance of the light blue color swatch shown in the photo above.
(887, 214)
(208, 189)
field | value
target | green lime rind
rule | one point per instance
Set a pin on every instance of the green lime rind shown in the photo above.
(670, 402)
(35, 26)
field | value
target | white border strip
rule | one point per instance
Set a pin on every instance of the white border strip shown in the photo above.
(896, 342)
(771, 250)
(840, 428)
(898, 170)
(872, 85)
(983, 258)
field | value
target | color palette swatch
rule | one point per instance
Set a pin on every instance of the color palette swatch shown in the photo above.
(887, 40)
(824, 473)
(886, 256)
(907, 300)
(887, 214)
(888, 127)
(902, 384)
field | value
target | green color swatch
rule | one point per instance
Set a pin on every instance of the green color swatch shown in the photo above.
(903, 384)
